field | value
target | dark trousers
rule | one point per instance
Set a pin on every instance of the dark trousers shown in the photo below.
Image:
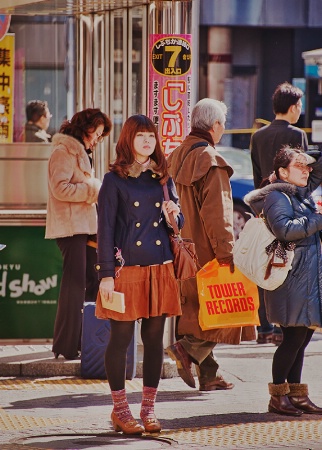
(79, 283)
(202, 354)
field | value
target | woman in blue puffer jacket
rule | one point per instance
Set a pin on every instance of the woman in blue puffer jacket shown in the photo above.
(291, 215)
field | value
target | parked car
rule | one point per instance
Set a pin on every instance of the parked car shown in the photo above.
(241, 183)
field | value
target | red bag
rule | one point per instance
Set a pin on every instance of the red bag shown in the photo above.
(185, 258)
(185, 261)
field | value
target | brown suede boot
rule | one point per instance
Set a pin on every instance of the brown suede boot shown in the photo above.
(298, 396)
(279, 402)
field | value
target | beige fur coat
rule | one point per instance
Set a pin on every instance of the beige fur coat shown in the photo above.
(72, 190)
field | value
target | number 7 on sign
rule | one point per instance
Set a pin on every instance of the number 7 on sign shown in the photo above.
(175, 49)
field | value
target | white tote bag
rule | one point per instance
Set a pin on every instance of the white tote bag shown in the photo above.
(252, 260)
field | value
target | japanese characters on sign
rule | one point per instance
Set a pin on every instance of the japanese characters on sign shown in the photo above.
(170, 88)
(7, 66)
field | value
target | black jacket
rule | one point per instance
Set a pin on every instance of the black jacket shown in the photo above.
(268, 141)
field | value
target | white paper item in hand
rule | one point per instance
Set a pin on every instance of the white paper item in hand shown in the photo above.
(117, 303)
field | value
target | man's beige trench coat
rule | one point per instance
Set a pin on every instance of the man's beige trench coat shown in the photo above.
(204, 190)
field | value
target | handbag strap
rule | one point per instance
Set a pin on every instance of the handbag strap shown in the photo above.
(165, 187)
(171, 216)
(196, 145)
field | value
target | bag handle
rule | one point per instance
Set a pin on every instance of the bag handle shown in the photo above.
(171, 216)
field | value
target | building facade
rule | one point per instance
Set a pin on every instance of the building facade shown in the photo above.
(248, 47)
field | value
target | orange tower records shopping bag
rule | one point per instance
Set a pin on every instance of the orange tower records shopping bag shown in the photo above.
(226, 299)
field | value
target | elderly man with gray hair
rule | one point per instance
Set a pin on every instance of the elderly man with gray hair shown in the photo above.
(201, 176)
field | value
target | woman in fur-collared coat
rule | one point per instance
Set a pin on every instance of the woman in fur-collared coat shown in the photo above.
(72, 220)
(296, 305)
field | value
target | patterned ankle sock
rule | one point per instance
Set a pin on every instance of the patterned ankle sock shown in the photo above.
(121, 406)
(148, 400)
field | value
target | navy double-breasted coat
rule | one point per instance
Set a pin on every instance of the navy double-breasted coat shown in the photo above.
(130, 219)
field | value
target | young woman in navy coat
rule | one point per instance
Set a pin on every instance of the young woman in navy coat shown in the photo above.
(134, 257)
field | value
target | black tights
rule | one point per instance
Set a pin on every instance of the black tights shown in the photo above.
(289, 356)
(152, 330)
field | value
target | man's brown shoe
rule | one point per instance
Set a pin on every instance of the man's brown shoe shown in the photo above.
(217, 384)
(264, 338)
(183, 361)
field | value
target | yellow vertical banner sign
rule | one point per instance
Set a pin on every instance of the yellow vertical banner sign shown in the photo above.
(7, 66)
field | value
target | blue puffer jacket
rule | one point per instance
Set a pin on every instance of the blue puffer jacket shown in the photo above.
(293, 217)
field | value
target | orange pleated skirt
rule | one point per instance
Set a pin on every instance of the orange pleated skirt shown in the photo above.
(149, 291)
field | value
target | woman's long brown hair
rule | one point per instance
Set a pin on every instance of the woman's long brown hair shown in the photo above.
(125, 154)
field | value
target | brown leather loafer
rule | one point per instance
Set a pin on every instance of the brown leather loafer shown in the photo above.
(129, 427)
(218, 384)
(183, 361)
(151, 424)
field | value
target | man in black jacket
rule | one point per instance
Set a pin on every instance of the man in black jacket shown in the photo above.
(38, 119)
(267, 141)
(264, 144)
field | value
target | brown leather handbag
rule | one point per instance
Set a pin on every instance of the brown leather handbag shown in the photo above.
(185, 261)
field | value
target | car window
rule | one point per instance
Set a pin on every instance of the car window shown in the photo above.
(239, 160)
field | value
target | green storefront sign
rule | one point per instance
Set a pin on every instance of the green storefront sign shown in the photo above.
(30, 272)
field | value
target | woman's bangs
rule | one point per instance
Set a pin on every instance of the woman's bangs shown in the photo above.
(146, 128)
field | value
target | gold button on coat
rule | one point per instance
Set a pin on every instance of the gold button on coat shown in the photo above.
(158, 242)
(137, 224)
(136, 203)
(154, 175)
(157, 204)
(97, 267)
(138, 243)
(155, 224)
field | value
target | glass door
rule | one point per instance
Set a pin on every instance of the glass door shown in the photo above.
(128, 67)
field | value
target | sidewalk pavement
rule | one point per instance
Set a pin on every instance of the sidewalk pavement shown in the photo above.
(45, 404)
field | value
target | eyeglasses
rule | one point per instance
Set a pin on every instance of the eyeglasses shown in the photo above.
(99, 138)
(301, 166)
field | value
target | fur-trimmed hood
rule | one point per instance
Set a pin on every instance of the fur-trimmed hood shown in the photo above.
(260, 194)
(255, 199)
(188, 167)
